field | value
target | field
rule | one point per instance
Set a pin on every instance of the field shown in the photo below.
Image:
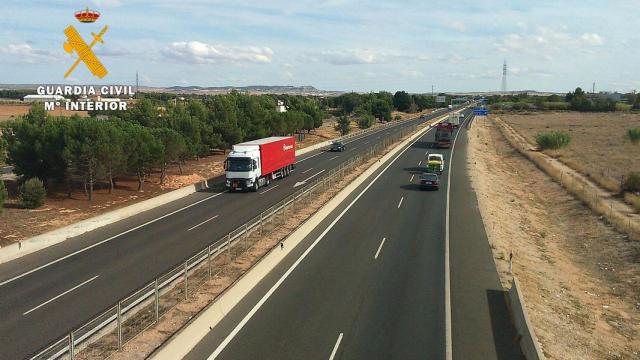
(599, 145)
(10, 111)
(579, 277)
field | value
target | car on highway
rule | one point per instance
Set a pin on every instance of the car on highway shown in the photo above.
(337, 146)
(435, 163)
(429, 181)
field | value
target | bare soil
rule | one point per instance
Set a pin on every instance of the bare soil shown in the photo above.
(11, 111)
(600, 147)
(17, 224)
(580, 278)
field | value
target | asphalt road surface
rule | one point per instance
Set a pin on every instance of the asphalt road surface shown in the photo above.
(46, 294)
(373, 286)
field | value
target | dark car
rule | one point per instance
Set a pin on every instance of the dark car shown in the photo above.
(337, 146)
(429, 181)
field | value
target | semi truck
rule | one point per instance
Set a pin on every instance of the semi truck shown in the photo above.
(253, 164)
(444, 132)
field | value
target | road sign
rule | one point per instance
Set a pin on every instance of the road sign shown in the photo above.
(441, 99)
(481, 111)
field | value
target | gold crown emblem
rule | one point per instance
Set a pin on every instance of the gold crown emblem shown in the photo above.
(87, 16)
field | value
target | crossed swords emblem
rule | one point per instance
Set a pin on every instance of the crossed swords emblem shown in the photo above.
(84, 51)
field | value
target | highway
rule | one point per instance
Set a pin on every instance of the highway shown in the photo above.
(46, 294)
(373, 286)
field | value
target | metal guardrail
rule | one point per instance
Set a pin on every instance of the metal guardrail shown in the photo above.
(110, 330)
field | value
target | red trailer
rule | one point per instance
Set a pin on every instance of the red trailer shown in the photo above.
(254, 164)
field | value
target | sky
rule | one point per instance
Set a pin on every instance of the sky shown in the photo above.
(346, 45)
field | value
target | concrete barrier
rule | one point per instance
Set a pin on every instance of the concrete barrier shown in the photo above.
(188, 336)
(526, 336)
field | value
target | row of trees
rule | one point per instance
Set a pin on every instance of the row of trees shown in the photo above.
(148, 137)
(366, 108)
(576, 100)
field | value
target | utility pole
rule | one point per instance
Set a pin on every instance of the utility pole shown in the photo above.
(137, 84)
(504, 78)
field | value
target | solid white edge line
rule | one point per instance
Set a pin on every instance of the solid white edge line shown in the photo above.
(61, 295)
(202, 223)
(270, 188)
(336, 346)
(447, 270)
(275, 286)
(379, 248)
(106, 240)
(400, 203)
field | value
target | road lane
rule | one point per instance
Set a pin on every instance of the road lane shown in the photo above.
(386, 307)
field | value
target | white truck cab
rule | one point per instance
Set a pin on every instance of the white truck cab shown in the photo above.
(244, 163)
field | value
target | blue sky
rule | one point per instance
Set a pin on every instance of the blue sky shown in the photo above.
(332, 44)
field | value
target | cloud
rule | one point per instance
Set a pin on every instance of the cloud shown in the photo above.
(592, 39)
(24, 52)
(114, 51)
(457, 25)
(345, 56)
(547, 42)
(107, 3)
(196, 52)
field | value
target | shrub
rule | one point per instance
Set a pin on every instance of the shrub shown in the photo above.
(634, 135)
(32, 193)
(553, 140)
(632, 183)
(3, 195)
(397, 117)
(555, 105)
(622, 107)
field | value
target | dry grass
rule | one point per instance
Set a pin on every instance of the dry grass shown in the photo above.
(603, 203)
(579, 276)
(600, 147)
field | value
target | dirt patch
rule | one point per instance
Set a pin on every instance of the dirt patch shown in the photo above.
(11, 111)
(600, 147)
(580, 277)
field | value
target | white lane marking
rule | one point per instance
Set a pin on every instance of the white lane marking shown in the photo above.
(353, 148)
(275, 286)
(334, 157)
(202, 223)
(366, 142)
(307, 179)
(309, 157)
(336, 346)
(61, 295)
(272, 187)
(411, 180)
(426, 153)
(419, 162)
(379, 248)
(400, 203)
(306, 171)
(447, 271)
(106, 240)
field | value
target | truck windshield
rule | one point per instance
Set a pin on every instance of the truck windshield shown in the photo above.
(238, 164)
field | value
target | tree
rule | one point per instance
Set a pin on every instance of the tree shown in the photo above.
(349, 102)
(402, 101)
(173, 147)
(145, 152)
(111, 151)
(381, 110)
(32, 193)
(343, 125)
(3, 195)
(83, 140)
(365, 121)
(3, 147)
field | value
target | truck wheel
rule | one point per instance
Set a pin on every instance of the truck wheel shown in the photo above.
(268, 180)
(255, 186)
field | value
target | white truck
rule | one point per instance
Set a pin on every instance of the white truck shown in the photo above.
(253, 164)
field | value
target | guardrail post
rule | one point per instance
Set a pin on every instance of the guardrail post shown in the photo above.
(119, 318)
(157, 305)
(260, 228)
(186, 283)
(209, 261)
(71, 345)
